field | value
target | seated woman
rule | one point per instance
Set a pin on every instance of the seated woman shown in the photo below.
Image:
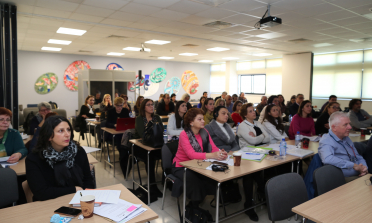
(196, 143)
(251, 132)
(220, 102)
(175, 122)
(208, 108)
(117, 112)
(146, 115)
(201, 101)
(126, 104)
(236, 113)
(39, 119)
(138, 105)
(106, 103)
(291, 102)
(33, 142)
(322, 124)
(273, 99)
(273, 124)
(281, 104)
(186, 97)
(86, 111)
(58, 165)
(302, 121)
(11, 142)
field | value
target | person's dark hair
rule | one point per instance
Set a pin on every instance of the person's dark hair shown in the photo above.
(234, 95)
(302, 105)
(177, 115)
(205, 103)
(205, 92)
(87, 98)
(243, 110)
(293, 97)
(164, 95)
(190, 116)
(138, 102)
(47, 132)
(271, 99)
(298, 95)
(217, 110)
(5, 111)
(279, 126)
(201, 99)
(124, 96)
(236, 105)
(173, 95)
(353, 102)
(50, 114)
(282, 104)
(330, 104)
(332, 96)
(143, 106)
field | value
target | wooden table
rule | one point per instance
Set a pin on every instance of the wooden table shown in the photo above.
(28, 139)
(113, 132)
(20, 168)
(165, 123)
(349, 203)
(360, 138)
(246, 167)
(164, 116)
(138, 142)
(41, 211)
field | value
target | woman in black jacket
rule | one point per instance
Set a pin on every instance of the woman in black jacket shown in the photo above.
(58, 165)
(86, 111)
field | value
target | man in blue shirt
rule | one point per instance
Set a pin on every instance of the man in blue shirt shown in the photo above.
(337, 149)
(229, 104)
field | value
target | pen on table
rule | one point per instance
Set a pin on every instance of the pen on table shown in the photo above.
(81, 194)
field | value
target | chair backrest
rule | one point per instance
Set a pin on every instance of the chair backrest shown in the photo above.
(28, 192)
(26, 111)
(8, 187)
(167, 155)
(284, 192)
(327, 178)
(60, 112)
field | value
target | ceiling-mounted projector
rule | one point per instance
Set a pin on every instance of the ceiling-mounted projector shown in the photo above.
(269, 21)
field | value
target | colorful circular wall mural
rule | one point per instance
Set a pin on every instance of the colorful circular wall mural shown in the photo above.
(70, 77)
(190, 82)
(46, 83)
(132, 86)
(114, 66)
(158, 75)
(172, 86)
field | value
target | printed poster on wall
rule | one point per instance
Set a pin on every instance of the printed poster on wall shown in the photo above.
(46, 83)
(190, 82)
(172, 86)
(70, 77)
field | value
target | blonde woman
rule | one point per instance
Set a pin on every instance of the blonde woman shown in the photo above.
(186, 97)
(208, 107)
(106, 103)
(220, 102)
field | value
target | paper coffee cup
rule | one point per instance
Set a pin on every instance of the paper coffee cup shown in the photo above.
(237, 158)
(87, 205)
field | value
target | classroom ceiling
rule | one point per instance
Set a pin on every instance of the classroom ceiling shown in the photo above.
(326, 26)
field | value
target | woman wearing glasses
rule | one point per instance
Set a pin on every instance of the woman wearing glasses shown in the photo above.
(38, 120)
(322, 124)
(11, 143)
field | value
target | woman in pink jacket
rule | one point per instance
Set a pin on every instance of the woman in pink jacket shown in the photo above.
(195, 143)
(302, 121)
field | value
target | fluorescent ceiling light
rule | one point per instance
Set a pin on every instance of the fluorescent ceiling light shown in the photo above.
(230, 58)
(322, 44)
(62, 42)
(136, 49)
(115, 54)
(76, 32)
(262, 54)
(157, 42)
(188, 54)
(166, 58)
(205, 61)
(51, 48)
(218, 49)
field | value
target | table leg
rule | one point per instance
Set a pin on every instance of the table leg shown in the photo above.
(133, 166)
(95, 137)
(217, 202)
(113, 150)
(298, 166)
(292, 166)
(148, 177)
(184, 195)
(89, 135)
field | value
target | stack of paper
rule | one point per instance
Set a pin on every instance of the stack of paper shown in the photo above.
(104, 196)
(121, 212)
(299, 152)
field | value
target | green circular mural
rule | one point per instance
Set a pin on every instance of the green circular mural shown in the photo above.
(158, 75)
(46, 83)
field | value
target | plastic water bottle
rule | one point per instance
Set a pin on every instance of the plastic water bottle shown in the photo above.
(237, 127)
(131, 114)
(297, 138)
(165, 136)
(283, 147)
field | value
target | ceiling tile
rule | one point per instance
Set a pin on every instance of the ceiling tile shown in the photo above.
(94, 11)
(144, 26)
(317, 9)
(274, 11)
(196, 20)
(157, 3)
(351, 21)
(295, 4)
(255, 32)
(127, 33)
(115, 22)
(45, 21)
(88, 18)
(77, 25)
(238, 28)
(215, 13)
(333, 31)
(178, 25)
(154, 21)
(242, 6)
(362, 10)
(106, 4)
(169, 14)
(188, 7)
(350, 4)
(335, 16)
(51, 12)
(140, 9)
(23, 2)
(57, 5)
(126, 16)
(202, 29)
(240, 19)
(271, 35)
(25, 8)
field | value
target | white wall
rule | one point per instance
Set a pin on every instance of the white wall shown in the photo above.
(33, 64)
(296, 75)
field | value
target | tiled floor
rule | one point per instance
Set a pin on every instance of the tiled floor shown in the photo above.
(105, 177)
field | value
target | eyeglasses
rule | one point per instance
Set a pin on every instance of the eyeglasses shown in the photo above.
(150, 105)
(119, 106)
(44, 110)
(337, 108)
(4, 120)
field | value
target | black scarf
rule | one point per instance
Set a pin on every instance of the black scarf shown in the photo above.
(195, 144)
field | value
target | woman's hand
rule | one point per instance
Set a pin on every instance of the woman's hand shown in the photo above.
(78, 188)
(14, 158)
(84, 116)
(252, 134)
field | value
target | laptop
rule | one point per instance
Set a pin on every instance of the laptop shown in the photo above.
(125, 123)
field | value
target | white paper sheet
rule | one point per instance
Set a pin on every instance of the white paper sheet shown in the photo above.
(5, 164)
(121, 212)
(4, 159)
(90, 149)
(253, 156)
(312, 138)
(227, 160)
(105, 196)
(134, 214)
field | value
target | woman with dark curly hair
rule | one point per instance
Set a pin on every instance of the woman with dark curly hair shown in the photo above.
(58, 165)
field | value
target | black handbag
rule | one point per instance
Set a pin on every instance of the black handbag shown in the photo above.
(197, 215)
(153, 134)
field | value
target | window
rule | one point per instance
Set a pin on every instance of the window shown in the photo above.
(253, 83)
(218, 67)
(217, 83)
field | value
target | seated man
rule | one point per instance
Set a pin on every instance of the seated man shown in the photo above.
(223, 96)
(359, 118)
(332, 98)
(261, 105)
(229, 104)
(337, 149)
(165, 107)
(294, 108)
(234, 98)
